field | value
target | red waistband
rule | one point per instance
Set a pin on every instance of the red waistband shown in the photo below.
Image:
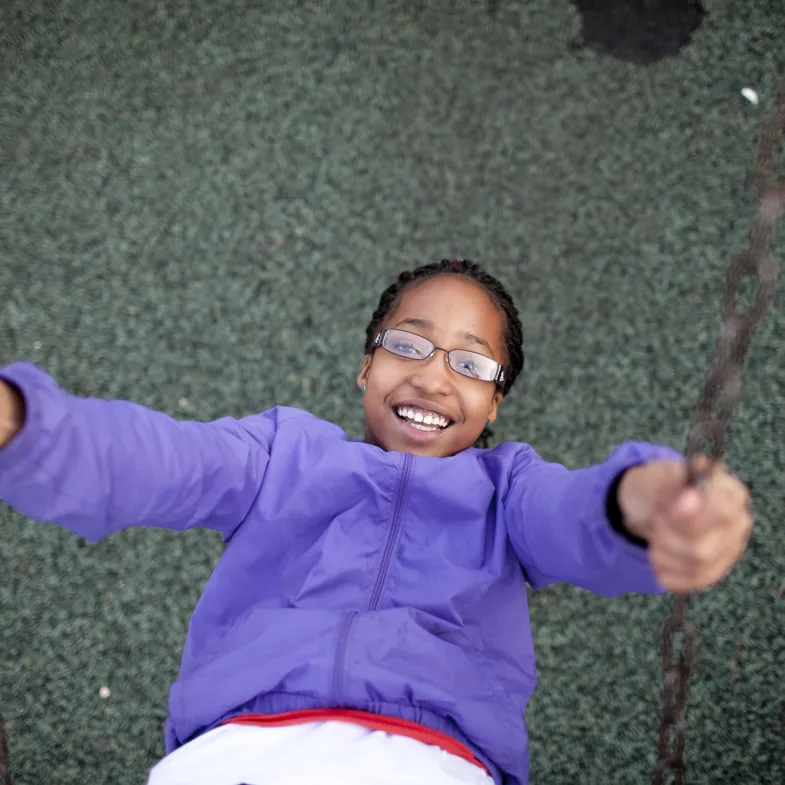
(371, 721)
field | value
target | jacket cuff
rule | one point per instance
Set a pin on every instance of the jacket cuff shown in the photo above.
(28, 380)
(615, 515)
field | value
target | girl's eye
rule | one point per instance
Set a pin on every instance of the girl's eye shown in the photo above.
(404, 347)
(470, 367)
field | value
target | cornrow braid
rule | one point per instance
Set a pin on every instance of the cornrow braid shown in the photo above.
(513, 331)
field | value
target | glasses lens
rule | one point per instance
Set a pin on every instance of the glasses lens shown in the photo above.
(405, 344)
(473, 365)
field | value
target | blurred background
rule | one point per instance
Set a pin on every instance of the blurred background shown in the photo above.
(200, 204)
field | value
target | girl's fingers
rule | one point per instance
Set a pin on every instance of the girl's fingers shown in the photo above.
(692, 566)
(678, 581)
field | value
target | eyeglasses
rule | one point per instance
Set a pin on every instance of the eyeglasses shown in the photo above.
(414, 347)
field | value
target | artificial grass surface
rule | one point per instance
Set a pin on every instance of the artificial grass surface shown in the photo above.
(199, 206)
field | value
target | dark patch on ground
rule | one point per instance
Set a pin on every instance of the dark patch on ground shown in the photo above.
(639, 31)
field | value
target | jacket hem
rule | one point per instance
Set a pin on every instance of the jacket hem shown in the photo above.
(280, 702)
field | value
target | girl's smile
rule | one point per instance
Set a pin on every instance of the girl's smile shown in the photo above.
(421, 421)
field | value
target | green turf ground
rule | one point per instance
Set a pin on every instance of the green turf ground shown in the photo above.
(198, 210)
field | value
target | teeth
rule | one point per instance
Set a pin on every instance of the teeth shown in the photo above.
(423, 422)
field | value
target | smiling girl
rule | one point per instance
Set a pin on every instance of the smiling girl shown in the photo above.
(367, 621)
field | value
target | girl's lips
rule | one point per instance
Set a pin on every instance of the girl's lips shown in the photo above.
(425, 406)
(412, 434)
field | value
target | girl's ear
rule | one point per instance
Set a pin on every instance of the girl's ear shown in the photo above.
(495, 403)
(362, 379)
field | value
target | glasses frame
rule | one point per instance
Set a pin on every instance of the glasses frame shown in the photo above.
(378, 342)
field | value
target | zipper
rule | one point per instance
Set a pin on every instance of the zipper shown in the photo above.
(394, 534)
(381, 579)
(340, 654)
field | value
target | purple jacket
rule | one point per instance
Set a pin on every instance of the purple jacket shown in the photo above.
(352, 577)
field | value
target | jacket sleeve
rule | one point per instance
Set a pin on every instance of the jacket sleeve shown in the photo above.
(559, 526)
(95, 467)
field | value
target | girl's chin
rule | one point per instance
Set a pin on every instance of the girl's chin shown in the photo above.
(399, 436)
(396, 435)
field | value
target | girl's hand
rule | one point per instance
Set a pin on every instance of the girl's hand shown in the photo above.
(695, 536)
(12, 413)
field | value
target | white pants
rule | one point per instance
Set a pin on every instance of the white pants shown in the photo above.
(328, 753)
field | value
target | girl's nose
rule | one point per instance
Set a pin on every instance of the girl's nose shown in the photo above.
(434, 375)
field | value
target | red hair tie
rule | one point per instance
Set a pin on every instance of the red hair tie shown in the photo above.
(456, 264)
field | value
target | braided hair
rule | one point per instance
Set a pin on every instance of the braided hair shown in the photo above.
(512, 333)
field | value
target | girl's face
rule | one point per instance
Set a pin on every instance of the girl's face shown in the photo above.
(453, 313)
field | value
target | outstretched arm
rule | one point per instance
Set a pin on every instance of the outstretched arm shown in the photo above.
(95, 467)
(563, 526)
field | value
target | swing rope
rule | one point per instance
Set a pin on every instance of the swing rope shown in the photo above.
(718, 400)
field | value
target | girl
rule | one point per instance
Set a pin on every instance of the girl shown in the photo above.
(367, 622)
